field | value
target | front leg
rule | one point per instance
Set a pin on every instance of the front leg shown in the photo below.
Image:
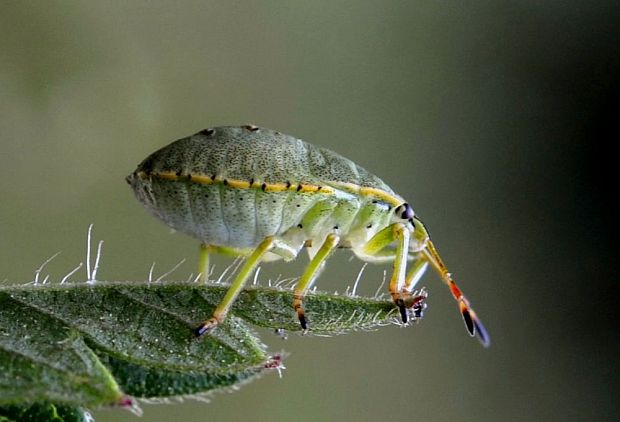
(398, 233)
(417, 267)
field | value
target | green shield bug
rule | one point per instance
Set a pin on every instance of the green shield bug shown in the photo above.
(265, 195)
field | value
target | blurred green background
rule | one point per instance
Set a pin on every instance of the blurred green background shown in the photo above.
(489, 117)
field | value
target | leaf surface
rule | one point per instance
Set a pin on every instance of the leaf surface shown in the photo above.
(74, 346)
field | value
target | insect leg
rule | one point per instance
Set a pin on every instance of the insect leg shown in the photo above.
(418, 267)
(310, 274)
(396, 232)
(415, 303)
(237, 285)
(207, 250)
(203, 262)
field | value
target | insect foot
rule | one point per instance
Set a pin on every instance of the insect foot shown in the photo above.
(206, 327)
(402, 308)
(302, 319)
(411, 306)
(301, 315)
(416, 305)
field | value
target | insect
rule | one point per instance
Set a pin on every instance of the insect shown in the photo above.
(258, 193)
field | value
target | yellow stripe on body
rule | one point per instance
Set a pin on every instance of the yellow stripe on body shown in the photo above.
(274, 187)
(201, 178)
(163, 175)
(234, 183)
(391, 199)
(314, 188)
(240, 184)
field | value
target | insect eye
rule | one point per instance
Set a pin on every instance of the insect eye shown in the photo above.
(404, 211)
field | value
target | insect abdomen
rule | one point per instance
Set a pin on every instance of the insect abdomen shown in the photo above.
(233, 186)
(218, 213)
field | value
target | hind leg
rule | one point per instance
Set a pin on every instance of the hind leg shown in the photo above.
(269, 244)
(203, 262)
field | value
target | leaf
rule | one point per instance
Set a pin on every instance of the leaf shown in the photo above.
(42, 360)
(327, 313)
(90, 345)
(44, 412)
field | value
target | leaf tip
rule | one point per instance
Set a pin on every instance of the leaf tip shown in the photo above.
(129, 403)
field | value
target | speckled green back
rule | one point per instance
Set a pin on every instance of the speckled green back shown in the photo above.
(246, 152)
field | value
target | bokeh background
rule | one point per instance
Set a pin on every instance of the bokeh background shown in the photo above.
(490, 117)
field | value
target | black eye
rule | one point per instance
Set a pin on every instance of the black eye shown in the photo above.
(404, 211)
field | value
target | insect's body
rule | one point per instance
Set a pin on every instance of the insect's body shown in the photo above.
(267, 195)
(226, 193)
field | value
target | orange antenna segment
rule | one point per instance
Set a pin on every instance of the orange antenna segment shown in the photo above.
(472, 322)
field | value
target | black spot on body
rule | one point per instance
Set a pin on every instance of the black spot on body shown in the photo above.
(207, 132)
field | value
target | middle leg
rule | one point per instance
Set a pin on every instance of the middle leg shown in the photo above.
(310, 274)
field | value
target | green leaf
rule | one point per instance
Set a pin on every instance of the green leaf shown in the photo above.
(89, 345)
(43, 360)
(44, 412)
